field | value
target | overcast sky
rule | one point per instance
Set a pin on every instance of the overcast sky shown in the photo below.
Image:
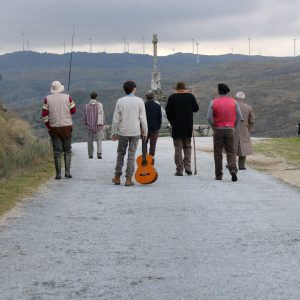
(219, 26)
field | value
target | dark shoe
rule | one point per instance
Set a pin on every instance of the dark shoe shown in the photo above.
(58, 176)
(116, 180)
(90, 156)
(242, 168)
(178, 173)
(68, 175)
(226, 166)
(99, 155)
(233, 176)
(129, 181)
(188, 172)
(218, 178)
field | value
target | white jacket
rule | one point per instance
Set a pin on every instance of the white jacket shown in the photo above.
(129, 116)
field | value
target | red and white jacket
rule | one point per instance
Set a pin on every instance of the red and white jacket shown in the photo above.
(57, 110)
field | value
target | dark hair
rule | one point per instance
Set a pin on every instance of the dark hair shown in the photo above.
(94, 95)
(223, 89)
(128, 86)
(180, 85)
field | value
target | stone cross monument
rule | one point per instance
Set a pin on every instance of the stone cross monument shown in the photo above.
(155, 81)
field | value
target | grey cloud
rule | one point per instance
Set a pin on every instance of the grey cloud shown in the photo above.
(50, 22)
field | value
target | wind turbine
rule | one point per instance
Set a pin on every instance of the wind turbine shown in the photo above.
(294, 46)
(249, 40)
(143, 39)
(197, 45)
(90, 45)
(193, 45)
(23, 41)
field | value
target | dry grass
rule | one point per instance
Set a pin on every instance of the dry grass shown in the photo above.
(279, 157)
(24, 184)
(282, 149)
(19, 147)
(24, 160)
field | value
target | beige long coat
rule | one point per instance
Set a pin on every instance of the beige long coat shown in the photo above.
(243, 144)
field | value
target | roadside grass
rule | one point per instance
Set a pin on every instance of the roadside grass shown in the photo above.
(287, 149)
(24, 160)
(24, 184)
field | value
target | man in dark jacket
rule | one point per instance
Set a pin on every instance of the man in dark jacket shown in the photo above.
(180, 108)
(154, 118)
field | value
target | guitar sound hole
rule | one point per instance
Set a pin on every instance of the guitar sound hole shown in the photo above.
(144, 174)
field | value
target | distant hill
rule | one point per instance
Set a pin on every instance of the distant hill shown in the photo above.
(272, 84)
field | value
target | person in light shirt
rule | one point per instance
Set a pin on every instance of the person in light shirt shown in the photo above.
(129, 123)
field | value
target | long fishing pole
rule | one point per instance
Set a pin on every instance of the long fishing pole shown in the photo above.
(71, 58)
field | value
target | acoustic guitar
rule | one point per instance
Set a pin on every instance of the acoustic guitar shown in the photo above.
(145, 172)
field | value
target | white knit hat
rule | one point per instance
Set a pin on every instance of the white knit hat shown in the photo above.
(240, 95)
(56, 87)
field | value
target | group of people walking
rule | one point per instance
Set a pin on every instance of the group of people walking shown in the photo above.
(231, 120)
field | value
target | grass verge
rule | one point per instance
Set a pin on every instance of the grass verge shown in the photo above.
(24, 184)
(284, 149)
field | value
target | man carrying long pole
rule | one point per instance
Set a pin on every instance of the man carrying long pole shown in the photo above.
(180, 108)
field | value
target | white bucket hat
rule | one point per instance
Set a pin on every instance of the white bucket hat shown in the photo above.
(240, 95)
(56, 87)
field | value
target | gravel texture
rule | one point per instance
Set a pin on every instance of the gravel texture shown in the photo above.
(189, 237)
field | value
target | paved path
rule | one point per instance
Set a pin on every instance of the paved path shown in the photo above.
(187, 237)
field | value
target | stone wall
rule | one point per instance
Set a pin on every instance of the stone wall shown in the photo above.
(199, 130)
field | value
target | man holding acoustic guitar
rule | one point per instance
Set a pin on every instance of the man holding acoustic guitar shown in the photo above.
(129, 123)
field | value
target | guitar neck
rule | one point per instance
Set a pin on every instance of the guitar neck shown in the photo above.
(144, 149)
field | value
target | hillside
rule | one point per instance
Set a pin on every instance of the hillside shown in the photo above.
(272, 84)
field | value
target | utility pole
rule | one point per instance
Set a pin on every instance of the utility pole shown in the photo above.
(143, 45)
(193, 45)
(90, 45)
(249, 40)
(71, 57)
(197, 45)
(294, 46)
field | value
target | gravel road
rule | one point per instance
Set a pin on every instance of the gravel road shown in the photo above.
(189, 237)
